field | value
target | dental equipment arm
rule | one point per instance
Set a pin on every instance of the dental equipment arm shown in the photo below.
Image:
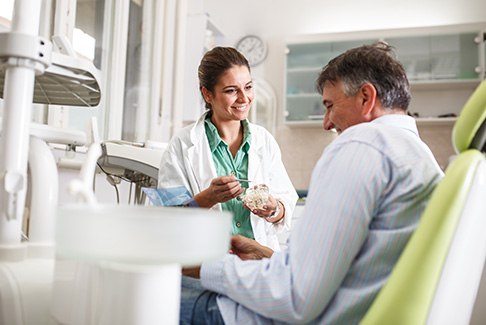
(81, 188)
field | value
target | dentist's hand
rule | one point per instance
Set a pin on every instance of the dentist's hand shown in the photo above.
(221, 189)
(267, 210)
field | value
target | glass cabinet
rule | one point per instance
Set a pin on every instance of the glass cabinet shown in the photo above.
(304, 62)
(439, 57)
(437, 62)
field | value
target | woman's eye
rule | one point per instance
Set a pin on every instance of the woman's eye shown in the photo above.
(230, 91)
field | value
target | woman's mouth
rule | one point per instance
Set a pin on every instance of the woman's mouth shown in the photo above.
(241, 108)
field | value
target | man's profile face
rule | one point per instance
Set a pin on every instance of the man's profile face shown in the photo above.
(341, 111)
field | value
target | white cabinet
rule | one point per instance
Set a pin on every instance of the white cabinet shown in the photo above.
(444, 65)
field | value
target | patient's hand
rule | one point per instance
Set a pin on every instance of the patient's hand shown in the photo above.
(192, 272)
(249, 249)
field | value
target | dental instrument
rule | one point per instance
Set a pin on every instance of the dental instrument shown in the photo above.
(243, 180)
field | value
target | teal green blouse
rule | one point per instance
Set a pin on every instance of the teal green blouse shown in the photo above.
(226, 165)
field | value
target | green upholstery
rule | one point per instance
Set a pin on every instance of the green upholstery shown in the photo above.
(408, 294)
(472, 118)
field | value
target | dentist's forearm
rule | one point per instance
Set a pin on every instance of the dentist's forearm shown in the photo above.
(204, 199)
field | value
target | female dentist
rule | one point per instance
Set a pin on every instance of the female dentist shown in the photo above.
(211, 156)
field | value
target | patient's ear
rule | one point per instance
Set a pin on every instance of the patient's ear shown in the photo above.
(367, 97)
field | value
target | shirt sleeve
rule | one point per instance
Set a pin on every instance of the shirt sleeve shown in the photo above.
(296, 285)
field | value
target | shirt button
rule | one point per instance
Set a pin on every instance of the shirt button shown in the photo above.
(238, 224)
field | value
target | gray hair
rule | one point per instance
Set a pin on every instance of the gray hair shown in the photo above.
(375, 64)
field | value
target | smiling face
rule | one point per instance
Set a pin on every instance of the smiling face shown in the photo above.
(232, 95)
(341, 111)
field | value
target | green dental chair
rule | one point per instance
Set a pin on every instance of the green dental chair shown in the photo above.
(436, 279)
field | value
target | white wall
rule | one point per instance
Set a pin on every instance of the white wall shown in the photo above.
(288, 17)
(276, 21)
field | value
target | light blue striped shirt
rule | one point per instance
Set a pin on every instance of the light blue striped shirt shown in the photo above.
(366, 196)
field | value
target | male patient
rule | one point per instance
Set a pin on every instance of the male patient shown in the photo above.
(366, 195)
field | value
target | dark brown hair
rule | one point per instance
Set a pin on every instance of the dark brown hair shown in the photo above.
(214, 63)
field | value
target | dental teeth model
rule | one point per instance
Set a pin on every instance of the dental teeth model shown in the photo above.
(256, 197)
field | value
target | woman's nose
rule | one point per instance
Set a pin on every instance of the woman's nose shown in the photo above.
(242, 97)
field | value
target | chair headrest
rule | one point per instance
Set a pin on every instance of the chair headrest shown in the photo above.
(470, 128)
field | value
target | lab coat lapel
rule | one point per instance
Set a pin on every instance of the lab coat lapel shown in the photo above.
(255, 158)
(200, 159)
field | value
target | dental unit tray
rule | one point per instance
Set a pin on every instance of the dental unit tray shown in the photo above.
(130, 160)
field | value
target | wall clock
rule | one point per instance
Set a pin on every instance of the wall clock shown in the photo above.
(253, 48)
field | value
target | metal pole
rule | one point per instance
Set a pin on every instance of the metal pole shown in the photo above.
(14, 142)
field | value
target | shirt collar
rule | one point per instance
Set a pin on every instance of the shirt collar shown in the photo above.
(246, 135)
(212, 133)
(403, 121)
(214, 139)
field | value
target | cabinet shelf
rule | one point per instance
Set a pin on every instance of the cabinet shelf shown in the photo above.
(304, 124)
(437, 121)
(304, 95)
(305, 70)
(421, 121)
(444, 84)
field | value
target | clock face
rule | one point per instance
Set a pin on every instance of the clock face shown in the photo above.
(253, 48)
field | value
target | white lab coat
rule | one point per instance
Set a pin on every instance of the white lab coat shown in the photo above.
(188, 161)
